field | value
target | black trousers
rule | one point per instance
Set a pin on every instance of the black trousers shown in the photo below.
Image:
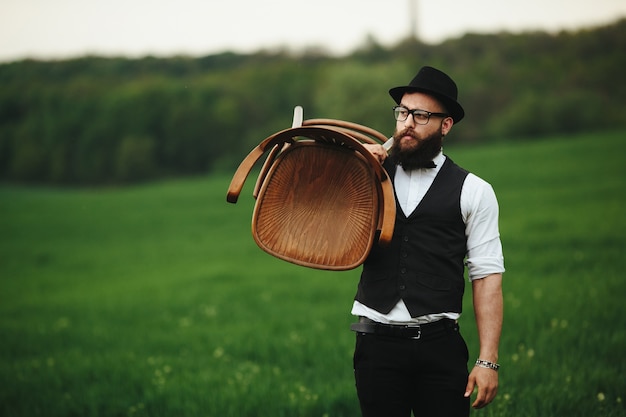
(428, 376)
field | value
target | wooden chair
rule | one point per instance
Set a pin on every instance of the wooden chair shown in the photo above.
(321, 197)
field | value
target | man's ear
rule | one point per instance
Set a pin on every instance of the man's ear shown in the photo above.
(446, 125)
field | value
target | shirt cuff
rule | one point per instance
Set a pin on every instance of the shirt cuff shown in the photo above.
(481, 267)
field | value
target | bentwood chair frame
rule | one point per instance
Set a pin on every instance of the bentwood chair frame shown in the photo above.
(321, 197)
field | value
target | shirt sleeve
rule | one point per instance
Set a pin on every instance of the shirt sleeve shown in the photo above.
(480, 211)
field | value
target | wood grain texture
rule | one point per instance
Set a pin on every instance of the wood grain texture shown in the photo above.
(318, 207)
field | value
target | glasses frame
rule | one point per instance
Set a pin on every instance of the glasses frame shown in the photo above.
(417, 111)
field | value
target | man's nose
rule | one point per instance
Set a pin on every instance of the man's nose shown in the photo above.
(410, 121)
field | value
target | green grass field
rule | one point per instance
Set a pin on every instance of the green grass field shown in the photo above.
(155, 301)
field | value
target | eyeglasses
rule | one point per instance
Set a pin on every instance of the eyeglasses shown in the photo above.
(421, 117)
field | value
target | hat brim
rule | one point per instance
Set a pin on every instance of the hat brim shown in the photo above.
(454, 108)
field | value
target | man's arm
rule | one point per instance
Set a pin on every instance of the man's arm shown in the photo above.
(488, 308)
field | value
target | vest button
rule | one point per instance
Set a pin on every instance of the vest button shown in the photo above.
(405, 238)
(402, 287)
(403, 270)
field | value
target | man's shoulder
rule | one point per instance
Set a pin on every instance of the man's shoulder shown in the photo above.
(478, 190)
(453, 165)
(471, 178)
(477, 181)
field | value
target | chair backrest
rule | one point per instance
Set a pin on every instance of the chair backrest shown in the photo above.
(321, 197)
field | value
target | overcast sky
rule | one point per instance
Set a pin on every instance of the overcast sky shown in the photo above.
(52, 29)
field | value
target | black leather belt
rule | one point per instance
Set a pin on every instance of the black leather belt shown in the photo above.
(366, 325)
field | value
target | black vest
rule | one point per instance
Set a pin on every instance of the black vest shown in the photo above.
(423, 264)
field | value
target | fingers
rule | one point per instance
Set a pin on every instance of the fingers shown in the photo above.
(487, 382)
(471, 383)
(482, 399)
(377, 150)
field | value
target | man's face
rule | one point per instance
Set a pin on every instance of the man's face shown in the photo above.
(415, 143)
(409, 133)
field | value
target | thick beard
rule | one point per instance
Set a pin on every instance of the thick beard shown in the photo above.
(421, 156)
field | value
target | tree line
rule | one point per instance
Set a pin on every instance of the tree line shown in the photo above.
(96, 120)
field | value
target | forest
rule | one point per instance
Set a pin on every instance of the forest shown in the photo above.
(112, 120)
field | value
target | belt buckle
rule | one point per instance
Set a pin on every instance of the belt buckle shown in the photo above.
(419, 332)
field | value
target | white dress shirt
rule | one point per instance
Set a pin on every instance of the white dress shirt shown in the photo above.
(479, 209)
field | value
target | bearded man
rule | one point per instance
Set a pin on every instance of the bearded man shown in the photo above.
(409, 354)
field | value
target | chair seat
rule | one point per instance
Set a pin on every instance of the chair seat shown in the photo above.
(317, 207)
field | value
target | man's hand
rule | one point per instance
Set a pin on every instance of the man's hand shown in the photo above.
(487, 382)
(377, 150)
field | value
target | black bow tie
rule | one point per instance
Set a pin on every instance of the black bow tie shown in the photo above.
(428, 164)
(423, 164)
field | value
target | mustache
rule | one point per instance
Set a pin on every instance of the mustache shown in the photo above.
(405, 132)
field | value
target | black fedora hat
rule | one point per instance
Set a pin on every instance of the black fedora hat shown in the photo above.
(431, 81)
